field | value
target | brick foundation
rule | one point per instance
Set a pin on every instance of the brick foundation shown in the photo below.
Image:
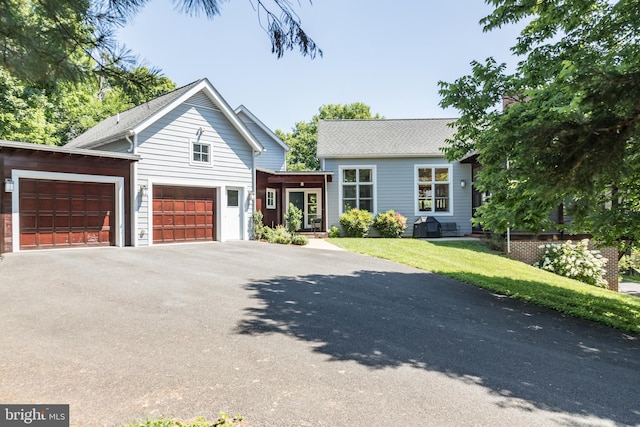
(529, 252)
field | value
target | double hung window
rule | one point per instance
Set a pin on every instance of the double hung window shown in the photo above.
(357, 186)
(433, 189)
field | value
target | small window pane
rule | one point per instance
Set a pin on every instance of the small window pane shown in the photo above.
(425, 205)
(347, 205)
(424, 190)
(349, 175)
(424, 174)
(442, 174)
(366, 205)
(442, 190)
(365, 175)
(366, 191)
(349, 192)
(233, 198)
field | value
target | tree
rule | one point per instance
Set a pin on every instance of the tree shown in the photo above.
(303, 141)
(569, 131)
(55, 115)
(43, 42)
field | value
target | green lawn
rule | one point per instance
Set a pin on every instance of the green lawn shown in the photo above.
(472, 262)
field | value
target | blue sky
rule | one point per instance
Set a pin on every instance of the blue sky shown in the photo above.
(388, 55)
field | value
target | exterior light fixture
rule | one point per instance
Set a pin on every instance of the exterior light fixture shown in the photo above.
(8, 185)
(143, 190)
(463, 183)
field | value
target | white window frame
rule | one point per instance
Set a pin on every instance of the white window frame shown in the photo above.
(433, 182)
(270, 198)
(374, 195)
(192, 144)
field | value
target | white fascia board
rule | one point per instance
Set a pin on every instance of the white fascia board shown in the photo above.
(217, 99)
(261, 125)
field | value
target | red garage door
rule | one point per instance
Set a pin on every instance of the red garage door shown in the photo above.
(182, 214)
(66, 213)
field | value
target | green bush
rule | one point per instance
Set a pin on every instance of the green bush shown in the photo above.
(356, 222)
(299, 239)
(258, 226)
(575, 261)
(390, 224)
(293, 218)
(629, 264)
(334, 232)
(278, 235)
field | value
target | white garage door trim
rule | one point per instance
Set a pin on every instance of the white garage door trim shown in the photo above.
(16, 174)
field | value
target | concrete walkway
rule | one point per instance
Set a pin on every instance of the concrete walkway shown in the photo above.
(629, 288)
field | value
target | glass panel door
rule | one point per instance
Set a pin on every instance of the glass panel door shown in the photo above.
(311, 209)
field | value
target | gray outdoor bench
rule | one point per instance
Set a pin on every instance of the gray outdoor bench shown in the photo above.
(450, 229)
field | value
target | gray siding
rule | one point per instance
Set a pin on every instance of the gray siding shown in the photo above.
(165, 150)
(395, 189)
(274, 156)
(121, 146)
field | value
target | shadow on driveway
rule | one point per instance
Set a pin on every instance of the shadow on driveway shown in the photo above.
(528, 354)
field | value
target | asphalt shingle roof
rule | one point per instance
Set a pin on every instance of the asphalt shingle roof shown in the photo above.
(117, 126)
(389, 137)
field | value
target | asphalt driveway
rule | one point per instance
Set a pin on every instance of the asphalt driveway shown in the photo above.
(291, 336)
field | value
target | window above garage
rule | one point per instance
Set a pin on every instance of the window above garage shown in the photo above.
(200, 153)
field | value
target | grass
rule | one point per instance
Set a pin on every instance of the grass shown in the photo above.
(223, 421)
(473, 262)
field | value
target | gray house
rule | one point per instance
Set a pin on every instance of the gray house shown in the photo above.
(195, 178)
(395, 164)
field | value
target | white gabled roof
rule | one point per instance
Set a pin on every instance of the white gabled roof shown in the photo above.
(136, 119)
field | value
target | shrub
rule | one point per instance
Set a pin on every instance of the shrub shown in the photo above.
(258, 226)
(293, 218)
(390, 224)
(278, 235)
(299, 239)
(334, 231)
(629, 264)
(356, 222)
(575, 261)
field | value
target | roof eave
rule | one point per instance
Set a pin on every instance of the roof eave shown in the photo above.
(63, 150)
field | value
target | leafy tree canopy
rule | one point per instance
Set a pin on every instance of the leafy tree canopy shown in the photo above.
(56, 115)
(43, 42)
(570, 130)
(303, 141)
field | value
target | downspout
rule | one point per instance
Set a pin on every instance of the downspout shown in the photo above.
(133, 188)
(254, 191)
(325, 220)
(131, 143)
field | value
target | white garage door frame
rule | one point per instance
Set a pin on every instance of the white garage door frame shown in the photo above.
(16, 174)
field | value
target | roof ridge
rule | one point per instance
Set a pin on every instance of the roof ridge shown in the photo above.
(390, 120)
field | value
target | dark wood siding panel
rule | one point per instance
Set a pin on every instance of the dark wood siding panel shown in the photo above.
(183, 214)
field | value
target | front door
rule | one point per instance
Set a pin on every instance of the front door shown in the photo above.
(308, 201)
(233, 222)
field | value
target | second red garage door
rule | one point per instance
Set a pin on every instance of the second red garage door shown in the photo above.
(183, 214)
